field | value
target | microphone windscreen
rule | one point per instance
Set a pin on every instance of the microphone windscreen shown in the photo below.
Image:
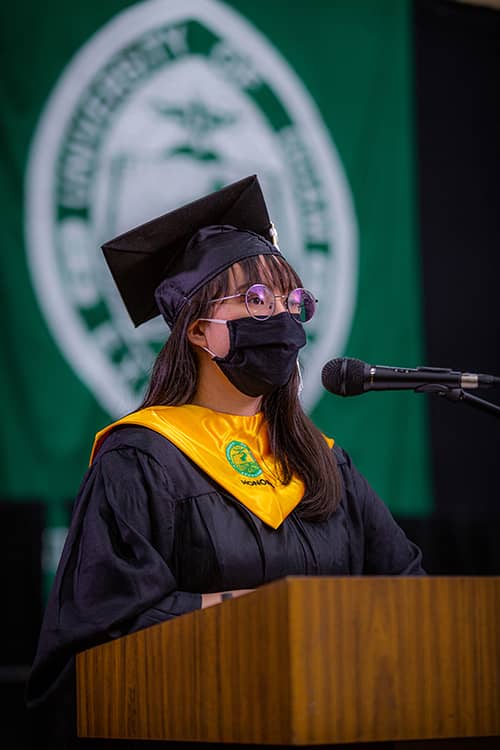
(344, 376)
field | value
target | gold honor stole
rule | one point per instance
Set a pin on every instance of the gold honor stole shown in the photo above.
(233, 450)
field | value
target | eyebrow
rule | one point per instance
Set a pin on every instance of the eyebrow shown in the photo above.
(243, 287)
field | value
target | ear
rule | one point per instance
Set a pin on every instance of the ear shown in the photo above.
(196, 333)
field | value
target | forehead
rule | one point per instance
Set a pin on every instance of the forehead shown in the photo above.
(238, 277)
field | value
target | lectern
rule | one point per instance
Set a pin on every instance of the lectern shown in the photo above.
(306, 661)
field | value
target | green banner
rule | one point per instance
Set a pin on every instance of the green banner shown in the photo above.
(116, 112)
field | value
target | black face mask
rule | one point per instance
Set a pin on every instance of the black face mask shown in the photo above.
(262, 353)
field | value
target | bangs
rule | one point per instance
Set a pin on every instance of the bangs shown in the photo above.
(271, 270)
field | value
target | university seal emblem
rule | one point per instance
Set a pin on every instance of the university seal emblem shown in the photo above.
(170, 100)
(242, 460)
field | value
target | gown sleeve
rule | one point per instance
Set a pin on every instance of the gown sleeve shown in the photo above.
(378, 545)
(114, 575)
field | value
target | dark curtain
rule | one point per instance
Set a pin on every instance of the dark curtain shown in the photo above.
(457, 84)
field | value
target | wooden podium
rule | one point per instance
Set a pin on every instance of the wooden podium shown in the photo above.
(307, 661)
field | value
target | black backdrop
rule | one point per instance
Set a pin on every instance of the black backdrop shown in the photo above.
(457, 85)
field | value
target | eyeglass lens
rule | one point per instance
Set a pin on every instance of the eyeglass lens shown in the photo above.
(261, 302)
(301, 304)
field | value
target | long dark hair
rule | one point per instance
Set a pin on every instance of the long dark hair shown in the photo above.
(298, 446)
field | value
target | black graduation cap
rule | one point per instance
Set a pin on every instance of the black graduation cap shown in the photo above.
(158, 266)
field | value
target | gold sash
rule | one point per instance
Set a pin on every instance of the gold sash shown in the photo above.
(233, 450)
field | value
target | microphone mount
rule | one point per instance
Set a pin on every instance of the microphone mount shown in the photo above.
(458, 395)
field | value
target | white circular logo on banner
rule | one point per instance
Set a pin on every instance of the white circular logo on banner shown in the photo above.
(171, 100)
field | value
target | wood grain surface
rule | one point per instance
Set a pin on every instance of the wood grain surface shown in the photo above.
(307, 661)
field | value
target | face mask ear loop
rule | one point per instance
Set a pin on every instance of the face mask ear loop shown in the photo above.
(206, 349)
(213, 320)
(301, 381)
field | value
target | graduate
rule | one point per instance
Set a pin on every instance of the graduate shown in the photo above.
(219, 483)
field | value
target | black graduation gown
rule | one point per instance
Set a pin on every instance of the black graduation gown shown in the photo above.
(151, 531)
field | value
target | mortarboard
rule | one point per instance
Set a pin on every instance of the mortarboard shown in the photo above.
(160, 265)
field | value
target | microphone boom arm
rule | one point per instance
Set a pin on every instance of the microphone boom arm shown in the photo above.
(459, 395)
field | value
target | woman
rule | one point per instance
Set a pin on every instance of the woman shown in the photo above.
(220, 482)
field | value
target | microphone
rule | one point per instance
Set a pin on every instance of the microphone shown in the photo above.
(345, 376)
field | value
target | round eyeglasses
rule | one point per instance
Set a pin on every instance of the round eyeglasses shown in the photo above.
(260, 302)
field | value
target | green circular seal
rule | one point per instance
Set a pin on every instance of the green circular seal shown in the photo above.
(169, 101)
(242, 460)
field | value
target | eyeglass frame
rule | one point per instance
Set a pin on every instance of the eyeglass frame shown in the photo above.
(275, 297)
